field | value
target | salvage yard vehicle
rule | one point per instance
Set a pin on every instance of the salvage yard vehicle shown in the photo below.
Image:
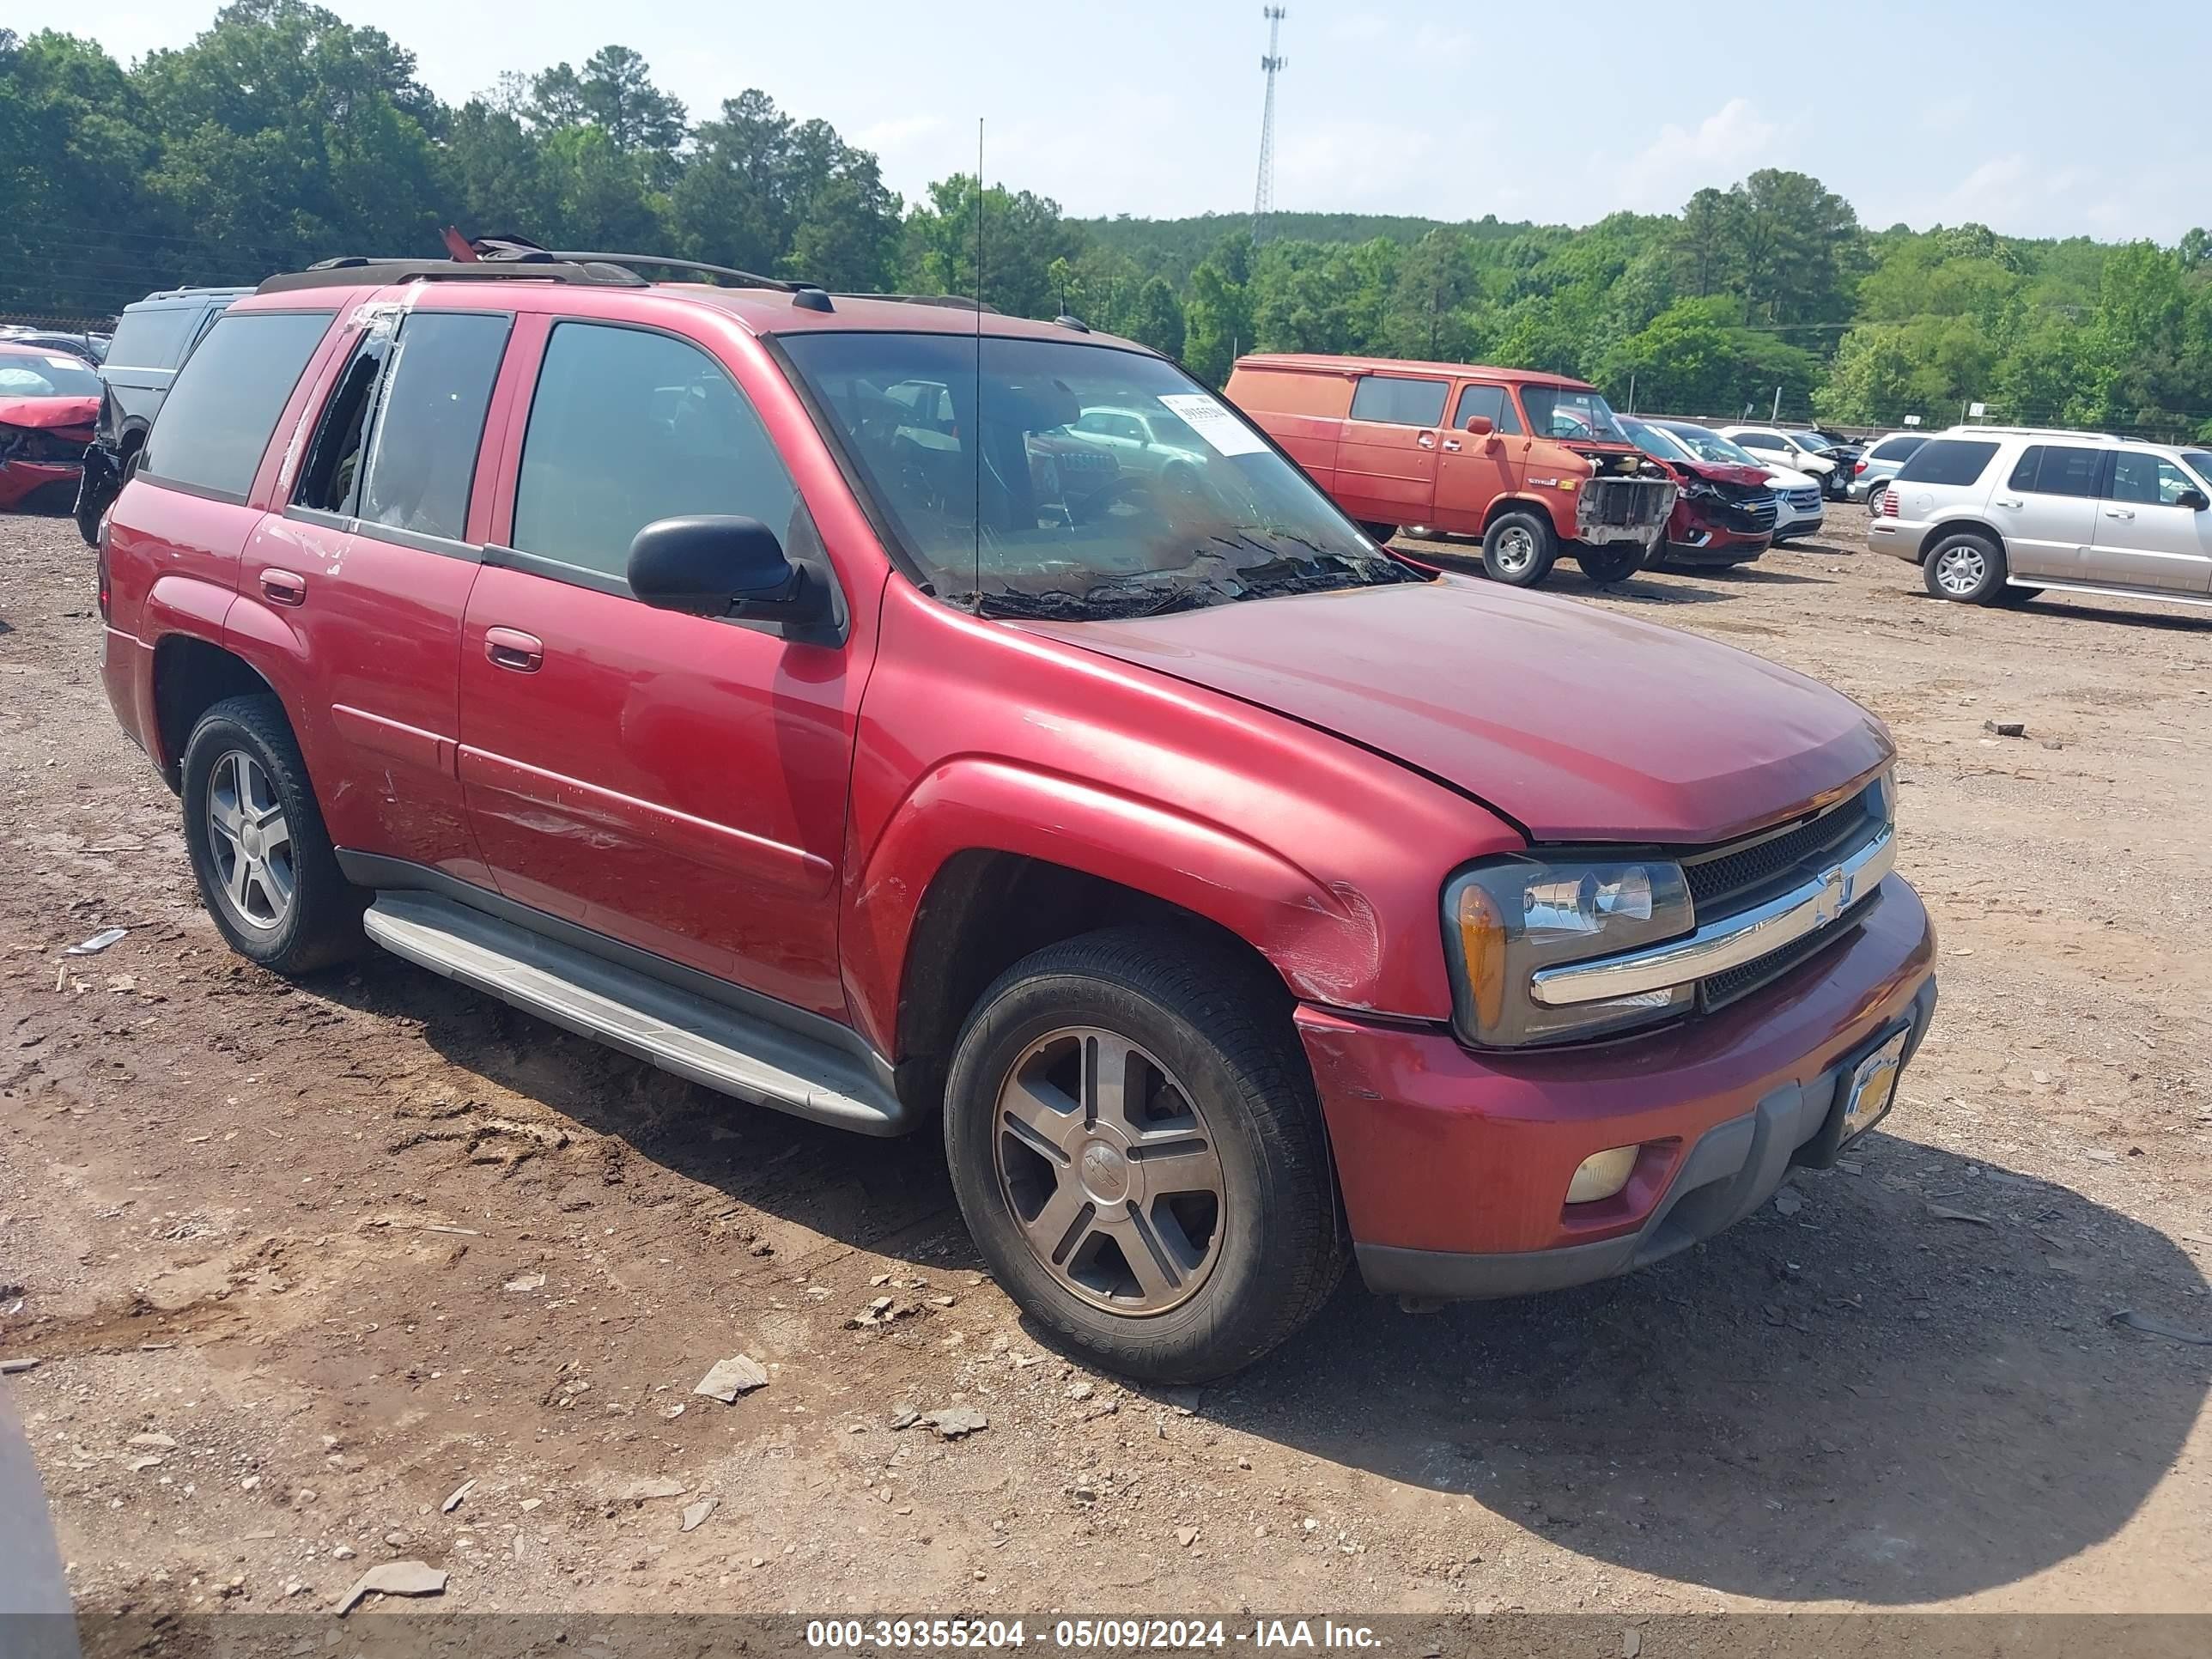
(1995, 516)
(48, 402)
(1799, 505)
(1725, 513)
(1872, 472)
(1807, 453)
(1236, 897)
(1536, 464)
(153, 338)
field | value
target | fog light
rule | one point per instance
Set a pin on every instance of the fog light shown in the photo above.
(1602, 1174)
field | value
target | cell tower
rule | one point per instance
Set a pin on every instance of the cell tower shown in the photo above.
(1263, 193)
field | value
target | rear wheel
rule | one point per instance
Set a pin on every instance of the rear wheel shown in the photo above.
(1135, 1143)
(1518, 548)
(257, 844)
(1616, 562)
(1966, 567)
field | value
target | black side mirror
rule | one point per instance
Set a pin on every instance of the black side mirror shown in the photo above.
(719, 566)
(2195, 500)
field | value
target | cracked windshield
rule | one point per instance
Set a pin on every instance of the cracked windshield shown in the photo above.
(1098, 483)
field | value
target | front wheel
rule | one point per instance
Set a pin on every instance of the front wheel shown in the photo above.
(1518, 548)
(1136, 1144)
(1616, 562)
(1965, 566)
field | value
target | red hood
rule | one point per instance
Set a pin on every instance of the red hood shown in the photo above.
(1722, 471)
(49, 412)
(1578, 723)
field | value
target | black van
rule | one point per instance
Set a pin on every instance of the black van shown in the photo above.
(152, 340)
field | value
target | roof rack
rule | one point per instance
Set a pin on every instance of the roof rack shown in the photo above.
(951, 301)
(355, 271)
(473, 257)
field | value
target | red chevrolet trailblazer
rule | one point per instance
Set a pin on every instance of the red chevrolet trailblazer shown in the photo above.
(905, 715)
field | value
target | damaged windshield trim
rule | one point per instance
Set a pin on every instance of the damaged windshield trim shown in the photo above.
(1062, 606)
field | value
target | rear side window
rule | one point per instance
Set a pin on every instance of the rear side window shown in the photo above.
(215, 424)
(2057, 470)
(1947, 461)
(153, 338)
(1767, 440)
(1399, 403)
(1894, 449)
(627, 426)
(1490, 400)
(423, 458)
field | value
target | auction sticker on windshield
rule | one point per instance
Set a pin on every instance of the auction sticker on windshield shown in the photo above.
(1211, 419)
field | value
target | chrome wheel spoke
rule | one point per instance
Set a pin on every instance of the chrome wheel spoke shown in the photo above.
(236, 880)
(1176, 1163)
(1111, 1066)
(1156, 1268)
(1055, 1230)
(1030, 1107)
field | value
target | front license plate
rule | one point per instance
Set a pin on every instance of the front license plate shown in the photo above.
(1872, 1087)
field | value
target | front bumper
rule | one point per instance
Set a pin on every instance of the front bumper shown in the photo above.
(1454, 1165)
(20, 480)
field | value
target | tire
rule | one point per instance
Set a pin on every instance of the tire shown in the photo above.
(1966, 567)
(1519, 548)
(1380, 533)
(291, 911)
(1237, 1271)
(1614, 563)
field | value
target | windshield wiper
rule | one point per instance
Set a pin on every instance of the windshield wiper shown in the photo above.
(1119, 599)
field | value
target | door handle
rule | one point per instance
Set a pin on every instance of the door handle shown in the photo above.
(1451, 445)
(1427, 441)
(2119, 513)
(2002, 502)
(510, 648)
(283, 587)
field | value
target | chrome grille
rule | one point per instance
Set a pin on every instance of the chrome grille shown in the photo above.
(1745, 874)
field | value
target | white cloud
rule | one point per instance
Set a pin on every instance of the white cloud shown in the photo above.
(1733, 140)
(1340, 163)
(900, 133)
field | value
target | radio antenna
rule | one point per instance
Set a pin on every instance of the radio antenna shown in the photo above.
(978, 440)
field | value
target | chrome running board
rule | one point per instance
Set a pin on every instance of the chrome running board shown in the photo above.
(2156, 595)
(721, 1047)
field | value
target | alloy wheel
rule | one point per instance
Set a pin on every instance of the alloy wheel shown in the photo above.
(1111, 1171)
(1960, 569)
(251, 842)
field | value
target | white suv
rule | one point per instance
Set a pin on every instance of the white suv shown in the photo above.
(1995, 514)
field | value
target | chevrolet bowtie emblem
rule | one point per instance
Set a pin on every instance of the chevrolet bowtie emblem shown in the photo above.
(1835, 894)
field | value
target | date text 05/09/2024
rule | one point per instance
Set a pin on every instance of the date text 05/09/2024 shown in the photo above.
(1083, 1635)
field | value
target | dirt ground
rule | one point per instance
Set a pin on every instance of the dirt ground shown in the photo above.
(350, 1250)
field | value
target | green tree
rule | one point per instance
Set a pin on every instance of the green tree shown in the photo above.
(1022, 234)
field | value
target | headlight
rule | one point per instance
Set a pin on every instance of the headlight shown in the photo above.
(1505, 920)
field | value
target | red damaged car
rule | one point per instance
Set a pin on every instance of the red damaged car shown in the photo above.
(1724, 514)
(819, 697)
(48, 404)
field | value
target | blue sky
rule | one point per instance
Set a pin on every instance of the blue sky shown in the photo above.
(2035, 117)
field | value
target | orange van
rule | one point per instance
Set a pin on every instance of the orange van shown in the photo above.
(1533, 464)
